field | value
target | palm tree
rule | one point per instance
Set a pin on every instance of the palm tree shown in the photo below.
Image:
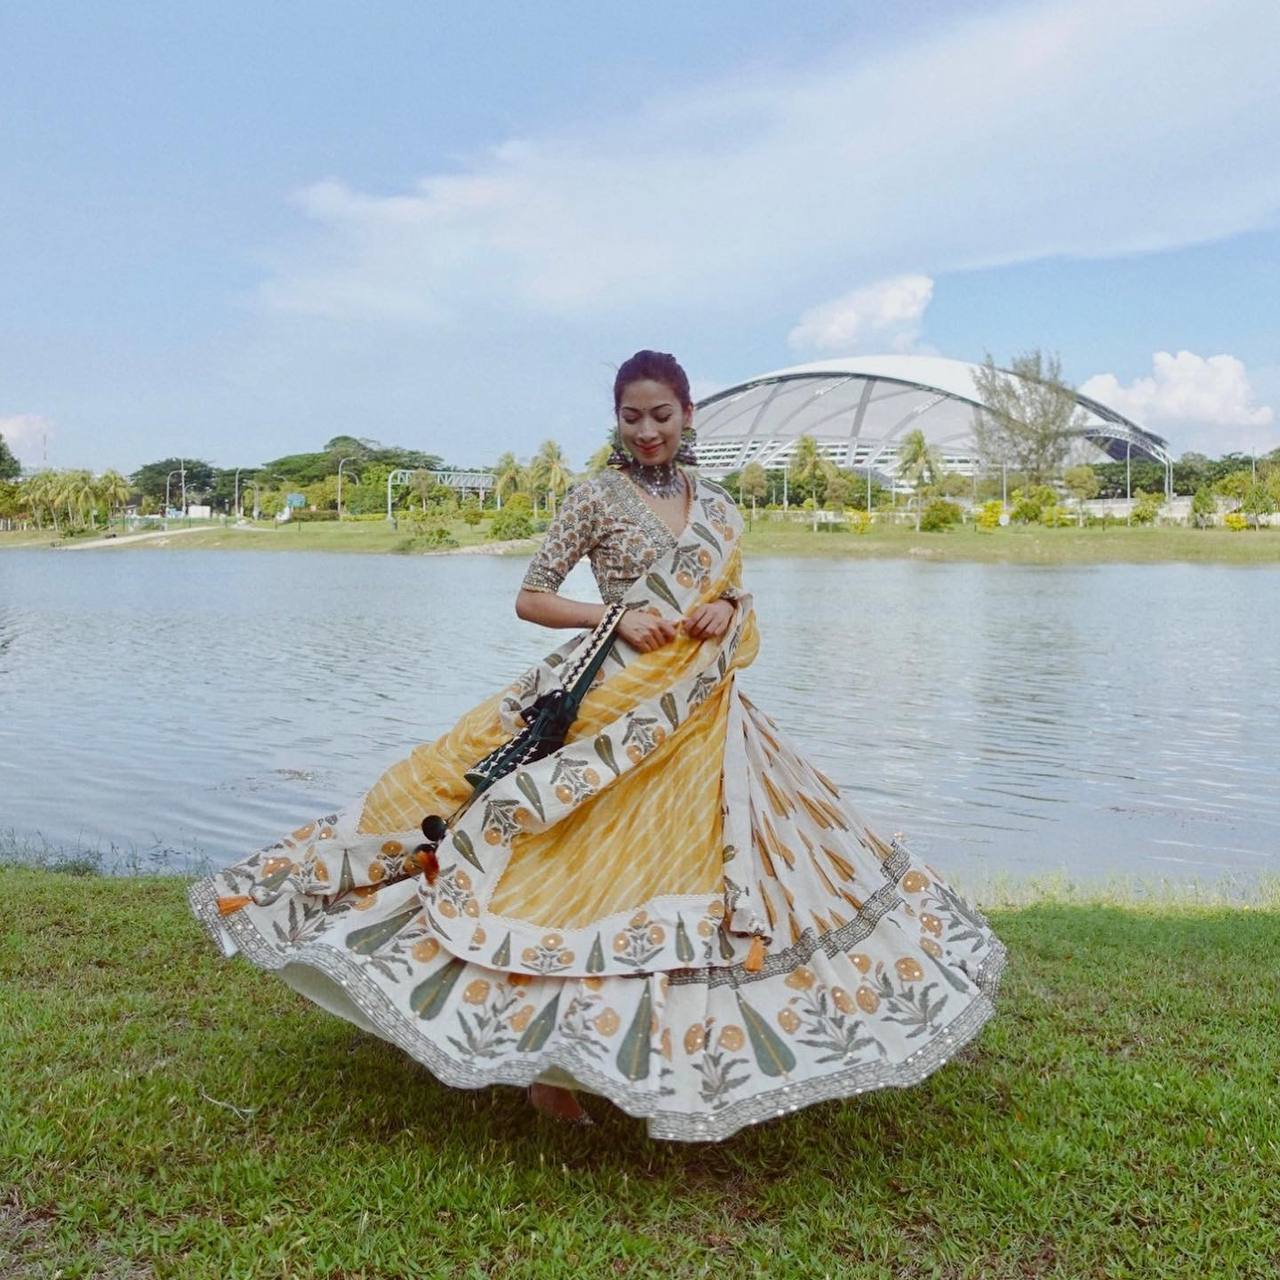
(113, 491)
(508, 476)
(600, 459)
(806, 466)
(80, 495)
(549, 471)
(38, 492)
(752, 484)
(918, 463)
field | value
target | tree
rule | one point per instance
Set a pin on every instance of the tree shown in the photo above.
(598, 460)
(919, 465)
(150, 479)
(806, 474)
(549, 471)
(509, 476)
(1257, 502)
(1083, 484)
(839, 489)
(753, 483)
(113, 491)
(1203, 508)
(1028, 415)
(10, 467)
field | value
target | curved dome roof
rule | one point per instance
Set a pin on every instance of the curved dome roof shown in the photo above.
(858, 410)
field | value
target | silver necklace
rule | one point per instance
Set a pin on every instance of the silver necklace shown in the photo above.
(662, 479)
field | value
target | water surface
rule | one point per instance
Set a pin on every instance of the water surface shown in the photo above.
(184, 707)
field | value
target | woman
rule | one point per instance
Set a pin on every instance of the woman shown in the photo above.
(674, 909)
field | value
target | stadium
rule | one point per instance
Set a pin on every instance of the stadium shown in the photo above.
(858, 411)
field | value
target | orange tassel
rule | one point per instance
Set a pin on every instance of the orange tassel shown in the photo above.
(229, 906)
(755, 957)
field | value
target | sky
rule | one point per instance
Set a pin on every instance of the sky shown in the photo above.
(232, 231)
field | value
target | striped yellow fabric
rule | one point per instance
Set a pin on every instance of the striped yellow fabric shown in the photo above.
(655, 831)
(429, 779)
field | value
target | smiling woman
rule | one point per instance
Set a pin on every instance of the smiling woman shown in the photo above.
(673, 908)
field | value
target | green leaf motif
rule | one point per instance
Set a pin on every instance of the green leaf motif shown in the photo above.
(529, 789)
(364, 942)
(536, 1033)
(502, 957)
(346, 879)
(661, 590)
(726, 947)
(668, 704)
(604, 749)
(684, 948)
(432, 994)
(462, 842)
(772, 1054)
(703, 532)
(595, 961)
(633, 1055)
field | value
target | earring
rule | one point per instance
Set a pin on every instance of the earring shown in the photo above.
(685, 453)
(617, 458)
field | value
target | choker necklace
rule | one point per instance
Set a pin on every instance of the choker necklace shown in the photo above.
(663, 479)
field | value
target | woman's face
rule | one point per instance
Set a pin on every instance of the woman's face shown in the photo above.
(650, 420)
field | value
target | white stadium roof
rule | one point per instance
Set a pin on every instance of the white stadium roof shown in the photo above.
(859, 409)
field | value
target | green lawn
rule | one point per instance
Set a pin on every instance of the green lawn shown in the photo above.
(1017, 544)
(167, 1113)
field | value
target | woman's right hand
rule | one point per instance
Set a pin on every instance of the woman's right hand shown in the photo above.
(646, 631)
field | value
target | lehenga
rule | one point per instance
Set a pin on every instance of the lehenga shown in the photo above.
(675, 910)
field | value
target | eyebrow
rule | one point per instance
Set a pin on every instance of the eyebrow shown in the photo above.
(664, 404)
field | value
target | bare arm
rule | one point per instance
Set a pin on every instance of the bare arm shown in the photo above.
(550, 610)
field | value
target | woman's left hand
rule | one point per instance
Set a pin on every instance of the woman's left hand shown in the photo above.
(708, 621)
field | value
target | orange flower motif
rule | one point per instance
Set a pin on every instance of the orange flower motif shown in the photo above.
(529, 955)
(593, 983)
(522, 1017)
(788, 1020)
(425, 949)
(657, 934)
(930, 947)
(321, 873)
(477, 992)
(867, 999)
(732, 1037)
(563, 793)
(377, 871)
(552, 941)
(860, 962)
(591, 777)
(664, 1044)
(909, 970)
(705, 929)
(478, 936)
(446, 908)
(392, 847)
(932, 923)
(492, 835)
(518, 979)
(566, 957)
(462, 880)
(606, 1022)
(801, 979)
(695, 1038)
(619, 941)
(634, 754)
(273, 866)
(914, 881)
(522, 817)
(304, 833)
(471, 907)
(842, 1000)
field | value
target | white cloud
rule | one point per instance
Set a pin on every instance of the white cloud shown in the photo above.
(885, 316)
(26, 434)
(1056, 127)
(1207, 401)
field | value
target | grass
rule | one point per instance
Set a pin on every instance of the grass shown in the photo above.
(164, 1112)
(1019, 544)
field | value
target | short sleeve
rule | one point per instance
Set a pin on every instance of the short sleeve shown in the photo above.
(573, 533)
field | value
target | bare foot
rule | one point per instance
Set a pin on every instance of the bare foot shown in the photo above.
(559, 1103)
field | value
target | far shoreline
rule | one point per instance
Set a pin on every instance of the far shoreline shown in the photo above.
(1019, 544)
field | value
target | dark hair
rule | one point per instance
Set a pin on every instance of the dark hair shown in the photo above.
(657, 366)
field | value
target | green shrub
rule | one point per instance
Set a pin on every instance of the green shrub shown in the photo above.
(1146, 506)
(1235, 521)
(989, 515)
(1028, 504)
(940, 514)
(511, 522)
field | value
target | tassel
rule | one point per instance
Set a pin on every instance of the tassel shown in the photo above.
(755, 957)
(229, 906)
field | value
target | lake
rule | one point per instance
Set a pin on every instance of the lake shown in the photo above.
(178, 709)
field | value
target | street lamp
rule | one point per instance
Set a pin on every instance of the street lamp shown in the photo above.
(235, 502)
(167, 478)
(341, 463)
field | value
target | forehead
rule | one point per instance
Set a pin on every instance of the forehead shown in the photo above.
(646, 393)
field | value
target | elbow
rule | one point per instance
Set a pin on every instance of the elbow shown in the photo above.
(522, 605)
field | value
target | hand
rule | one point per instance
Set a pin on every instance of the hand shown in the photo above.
(646, 631)
(708, 621)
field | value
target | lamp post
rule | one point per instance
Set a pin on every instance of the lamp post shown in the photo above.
(1004, 484)
(235, 502)
(167, 478)
(1128, 450)
(341, 463)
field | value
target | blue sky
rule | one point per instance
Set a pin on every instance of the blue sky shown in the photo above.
(232, 231)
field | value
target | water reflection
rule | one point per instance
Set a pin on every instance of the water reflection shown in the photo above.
(1009, 719)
